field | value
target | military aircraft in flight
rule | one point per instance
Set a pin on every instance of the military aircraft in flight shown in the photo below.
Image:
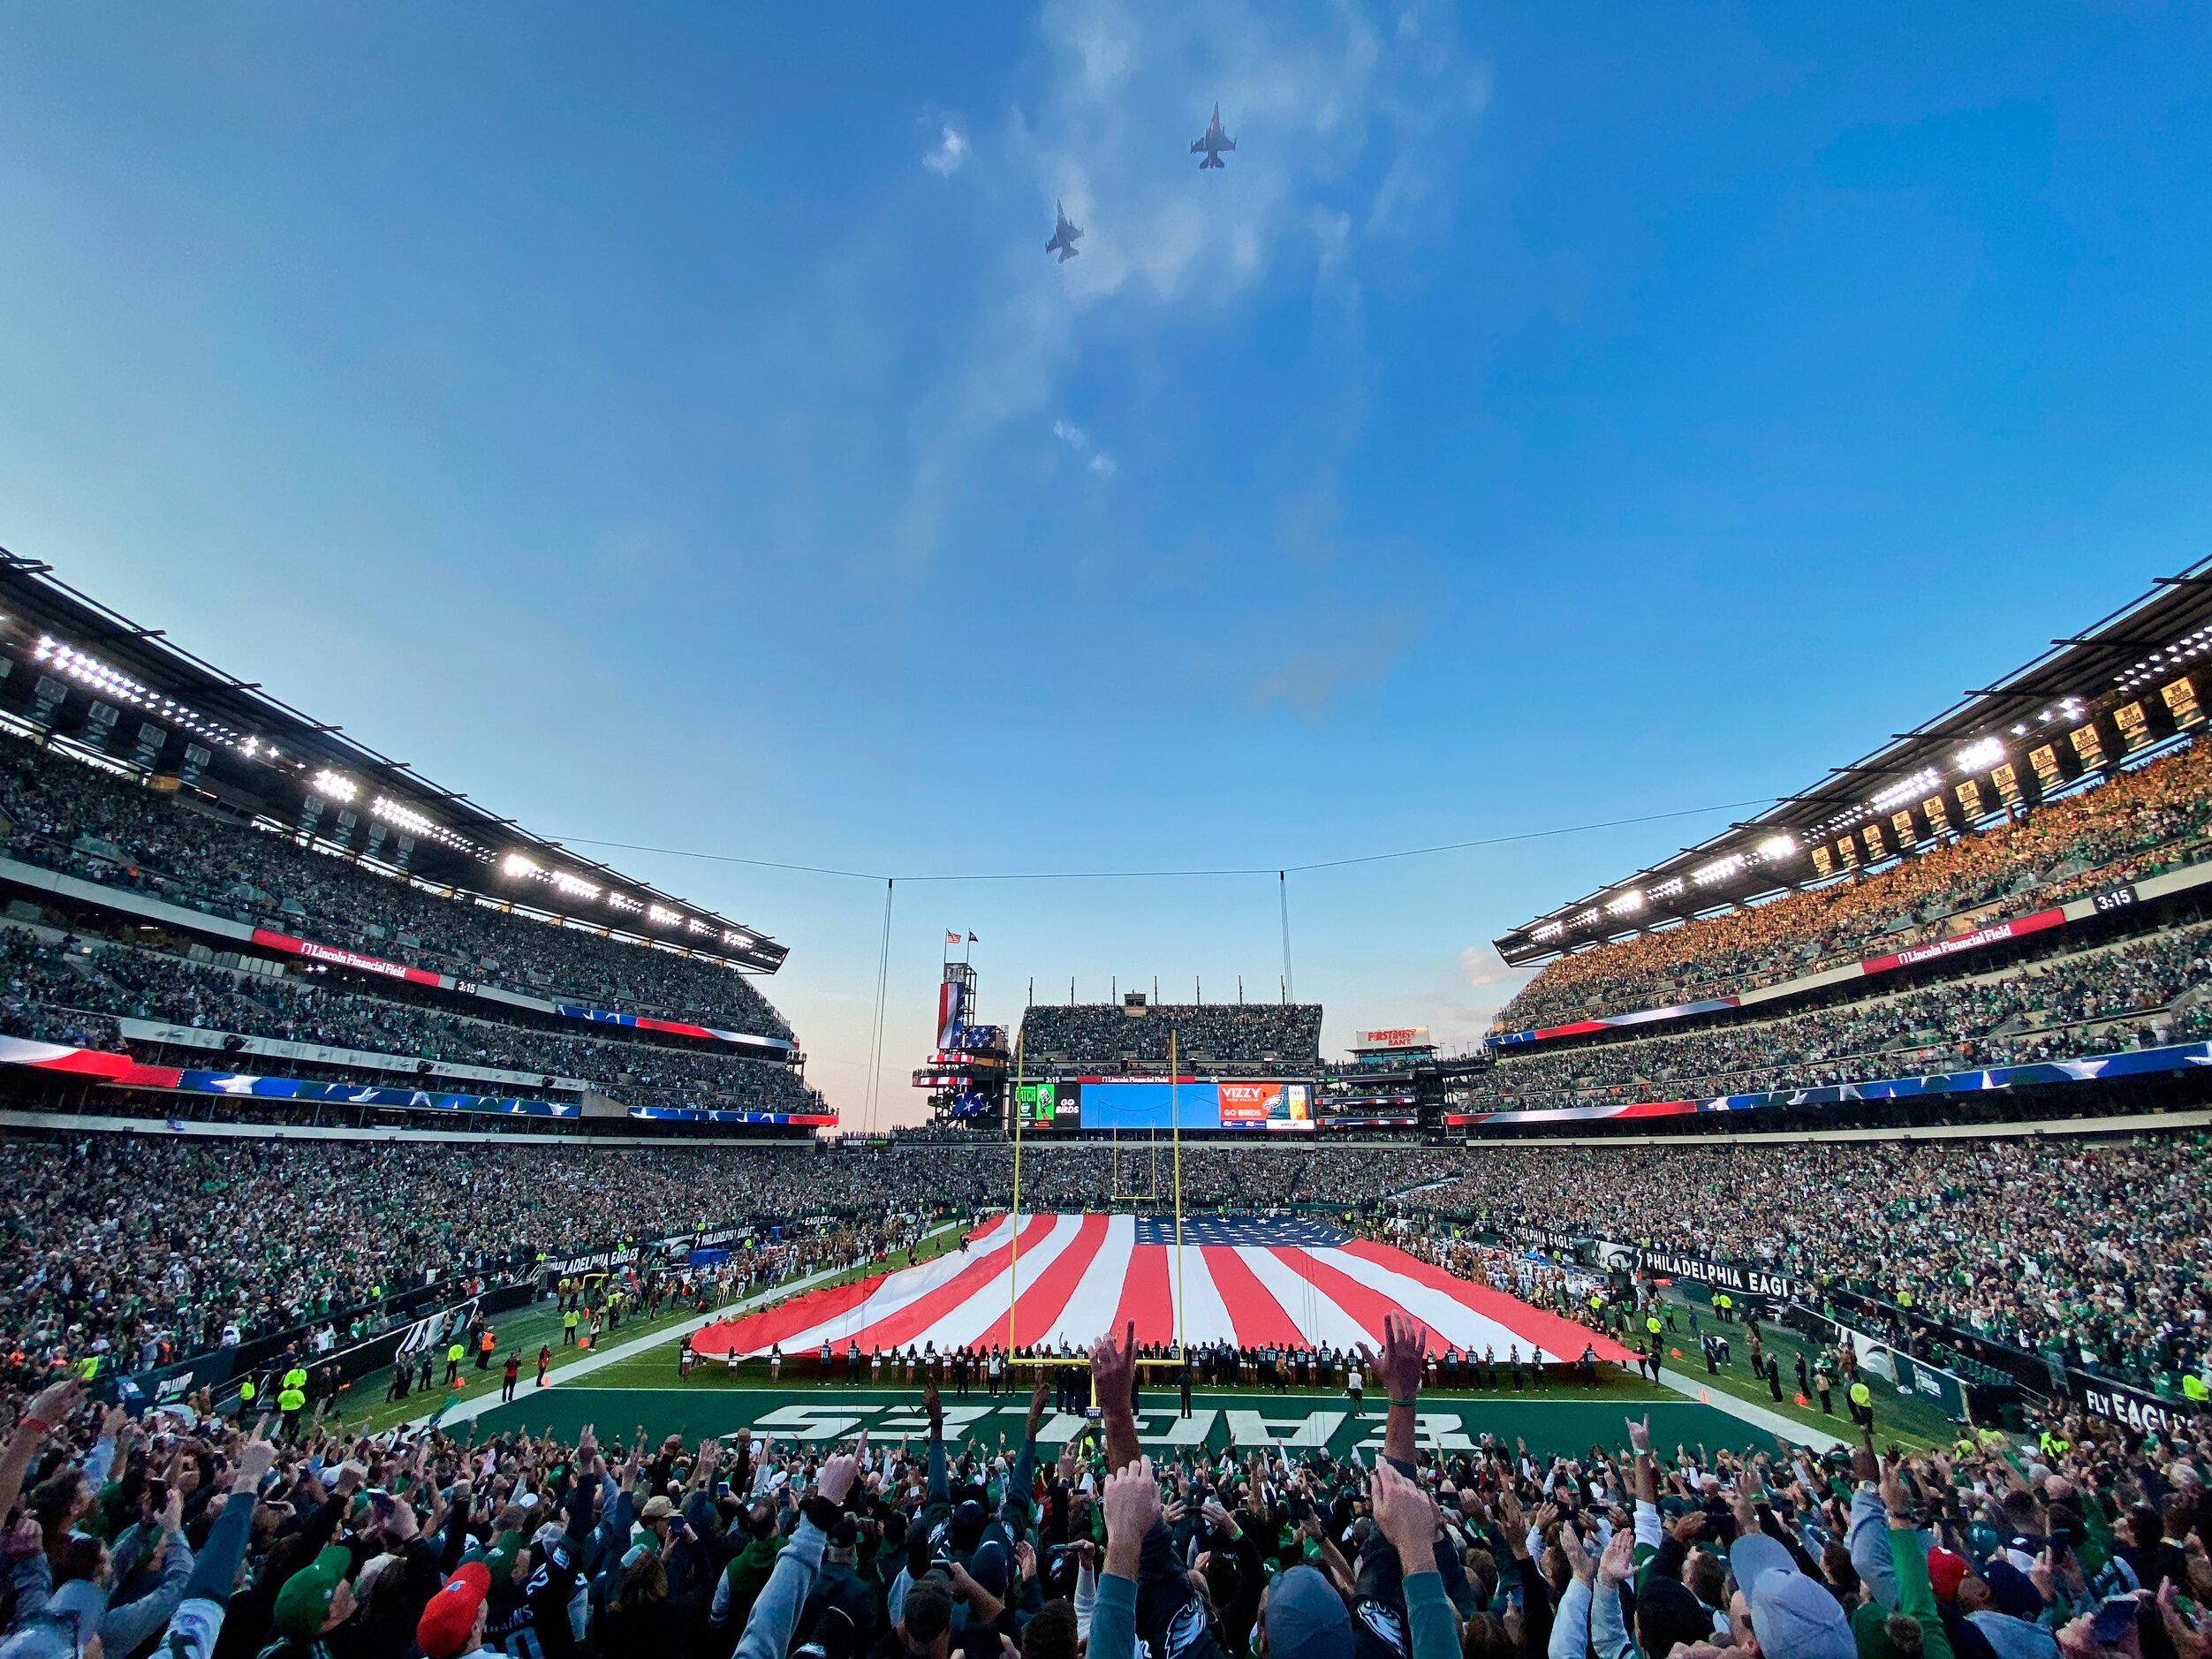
(1212, 144)
(1064, 236)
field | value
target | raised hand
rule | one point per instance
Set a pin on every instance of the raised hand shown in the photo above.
(58, 1403)
(1578, 1558)
(1406, 1515)
(1618, 1561)
(1511, 1516)
(1895, 1498)
(1114, 1369)
(836, 1479)
(257, 1458)
(1131, 1501)
(1404, 1344)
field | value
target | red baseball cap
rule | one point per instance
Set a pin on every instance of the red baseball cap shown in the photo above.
(450, 1618)
(1945, 1569)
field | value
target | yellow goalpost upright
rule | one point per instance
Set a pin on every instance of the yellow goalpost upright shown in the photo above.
(1175, 1156)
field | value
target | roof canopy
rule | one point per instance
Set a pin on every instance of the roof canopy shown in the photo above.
(97, 680)
(2117, 690)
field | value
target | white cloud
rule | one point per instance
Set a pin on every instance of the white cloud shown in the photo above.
(948, 154)
(1349, 128)
(1484, 969)
(1103, 465)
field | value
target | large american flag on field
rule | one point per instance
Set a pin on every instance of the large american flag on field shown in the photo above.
(1250, 1281)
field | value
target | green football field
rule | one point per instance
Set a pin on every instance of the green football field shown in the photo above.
(634, 1380)
(1561, 1421)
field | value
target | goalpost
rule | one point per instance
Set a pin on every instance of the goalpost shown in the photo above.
(1175, 1160)
(1119, 1193)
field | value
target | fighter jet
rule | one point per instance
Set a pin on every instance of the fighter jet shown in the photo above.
(1064, 236)
(1212, 144)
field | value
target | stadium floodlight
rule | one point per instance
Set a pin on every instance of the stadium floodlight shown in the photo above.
(1587, 917)
(575, 886)
(334, 785)
(1911, 788)
(731, 935)
(622, 902)
(401, 817)
(664, 915)
(1774, 849)
(1979, 757)
(514, 864)
(1718, 870)
(410, 821)
(1550, 931)
(111, 683)
(1624, 903)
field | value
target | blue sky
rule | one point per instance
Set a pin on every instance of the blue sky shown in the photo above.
(665, 425)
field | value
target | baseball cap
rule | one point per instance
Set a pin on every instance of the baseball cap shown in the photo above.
(657, 1509)
(1667, 1613)
(2011, 1591)
(448, 1618)
(499, 1560)
(966, 1526)
(987, 1566)
(834, 1636)
(1792, 1617)
(305, 1601)
(1306, 1617)
(1946, 1568)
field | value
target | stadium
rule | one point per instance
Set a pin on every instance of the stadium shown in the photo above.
(1977, 989)
(433, 1236)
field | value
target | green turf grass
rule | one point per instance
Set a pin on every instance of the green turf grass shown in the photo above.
(1562, 1422)
(525, 1330)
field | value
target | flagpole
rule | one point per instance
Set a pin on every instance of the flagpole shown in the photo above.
(1013, 1263)
(1175, 1139)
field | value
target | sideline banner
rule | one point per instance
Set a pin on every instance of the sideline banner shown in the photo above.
(1737, 1277)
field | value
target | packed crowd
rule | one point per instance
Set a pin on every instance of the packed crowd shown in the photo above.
(2097, 1252)
(50, 988)
(1212, 1034)
(2094, 1251)
(68, 817)
(2096, 1002)
(192, 1536)
(2139, 824)
(126, 1248)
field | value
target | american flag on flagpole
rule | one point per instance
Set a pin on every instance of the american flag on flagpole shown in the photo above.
(1251, 1282)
